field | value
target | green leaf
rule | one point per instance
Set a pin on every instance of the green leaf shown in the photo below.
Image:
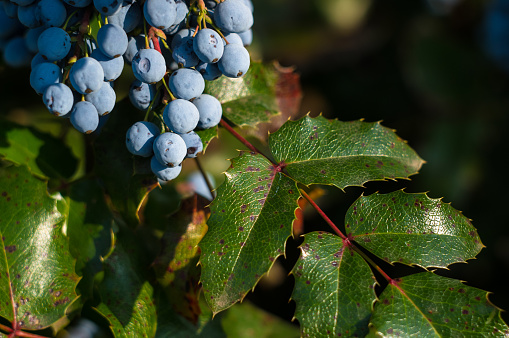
(127, 299)
(126, 178)
(45, 155)
(333, 288)
(89, 229)
(247, 320)
(321, 151)
(248, 100)
(251, 218)
(175, 266)
(412, 229)
(207, 135)
(427, 305)
(37, 281)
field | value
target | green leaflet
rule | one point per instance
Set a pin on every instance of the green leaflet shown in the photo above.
(41, 152)
(412, 229)
(248, 100)
(127, 298)
(207, 136)
(333, 288)
(428, 305)
(37, 281)
(250, 220)
(321, 151)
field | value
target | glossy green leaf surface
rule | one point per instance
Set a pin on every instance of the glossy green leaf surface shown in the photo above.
(333, 288)
(89, 224)
(412, 229)
(248, 100)
(428, 305)
(251, 218)
(127, 178)
(126, 296)
(41, 152)
(321, 151)
(247, 320)
(175, 266)
(207, 135)
(37, 280)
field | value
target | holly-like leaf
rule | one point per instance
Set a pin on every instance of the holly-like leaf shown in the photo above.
(412, 229)
(126, 178)
(428, 305)
(251, 218)
(37, 281)
(248, 100)
(89, 227)
(333, 288)
(207, 135)
(321, 151)
(42, 153)
(175, 266)
(126, 296)
(247, 320)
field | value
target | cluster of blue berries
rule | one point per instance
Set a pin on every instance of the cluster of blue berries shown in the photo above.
(173, 46)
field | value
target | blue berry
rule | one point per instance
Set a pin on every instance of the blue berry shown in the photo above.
(84, 117)
(31, 38)
(51, 13)
(134, 45)
(149, 66)
(112, 40)
(193, 143)
(163, 172)
(103, 99)
(181, 36)
(54, 44)
(141, 94)
(16, 53)
(181, 116)
(233, 16)
(209, 71)
(37, 59)
(112, 68)
(58, 98)
(140, 138)
(210, 111)
(107, 7)
(160, 13)
(235, 61)
(233, 38)
(86, 75)
(186, 83)
(8, 25)
(169, 149)
(184, 54)
(27, 15)
(128, 17)
(78, 3)
(208, 45)
(43, 75)
(247, 37)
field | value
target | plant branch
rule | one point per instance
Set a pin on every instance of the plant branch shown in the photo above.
(5, 328)
(26, 334)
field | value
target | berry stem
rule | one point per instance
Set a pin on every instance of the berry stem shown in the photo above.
(147, 45)
(209, 21)
(67, 20)
(168, 89)
(26, 334)
(205, 177)
(5, 328)
(149, 109)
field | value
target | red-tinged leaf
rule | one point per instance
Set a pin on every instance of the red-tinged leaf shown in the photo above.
(175, 267)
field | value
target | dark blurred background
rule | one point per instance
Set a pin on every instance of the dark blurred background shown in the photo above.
(436, 71)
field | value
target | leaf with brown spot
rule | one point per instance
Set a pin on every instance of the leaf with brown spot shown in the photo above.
(428, 305)
(240, 247)
(321, 151)
(37, 277)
